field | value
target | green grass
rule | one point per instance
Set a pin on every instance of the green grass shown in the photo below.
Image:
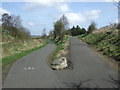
(106, 42)
(11, 59)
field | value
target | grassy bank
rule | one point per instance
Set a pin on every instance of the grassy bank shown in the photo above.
(11, 59)
(60, 47)
(14, 47)
(106, 42)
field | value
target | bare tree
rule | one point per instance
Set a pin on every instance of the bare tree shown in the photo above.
(12, 25)
(6, 19)
(15, 21)
(59, 28)
(44, 33)
(11, 20)
(64, 20)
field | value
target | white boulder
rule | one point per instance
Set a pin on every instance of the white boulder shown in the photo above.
(59, 64)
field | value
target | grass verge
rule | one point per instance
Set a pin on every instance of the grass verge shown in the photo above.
(60, 46)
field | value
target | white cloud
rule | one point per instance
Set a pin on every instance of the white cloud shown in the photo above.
(34, 0)
(63, 7)
(31, 23)
(75, 18)
(36, 5)
(93, 14)
(2, 11)
(82, 17)
(59, 0)
(116, 21)
(107, 0)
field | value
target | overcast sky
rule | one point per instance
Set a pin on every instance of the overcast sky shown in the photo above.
(39, 15)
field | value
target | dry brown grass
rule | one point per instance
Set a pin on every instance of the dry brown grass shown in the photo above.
(106, 28)
(17, 47)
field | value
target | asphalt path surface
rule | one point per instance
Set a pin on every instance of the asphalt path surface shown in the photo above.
(89, 71)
